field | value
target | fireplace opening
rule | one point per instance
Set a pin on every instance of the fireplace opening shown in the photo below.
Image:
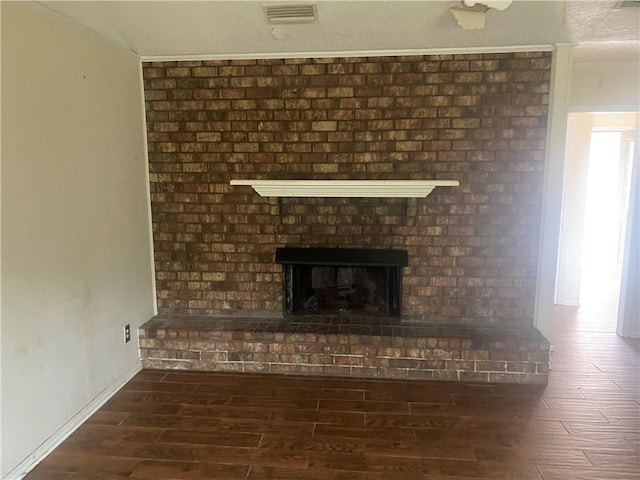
(342, 280)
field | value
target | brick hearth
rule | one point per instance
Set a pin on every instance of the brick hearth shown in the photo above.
(354, 346)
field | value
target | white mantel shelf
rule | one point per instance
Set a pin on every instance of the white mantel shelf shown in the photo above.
(345, 188)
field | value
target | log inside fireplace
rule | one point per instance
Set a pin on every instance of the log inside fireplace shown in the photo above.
(342, 280)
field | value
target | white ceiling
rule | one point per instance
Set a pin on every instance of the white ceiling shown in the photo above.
(229, 29)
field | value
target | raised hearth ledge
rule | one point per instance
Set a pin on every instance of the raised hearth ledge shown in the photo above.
(353, 346)
(346, 188)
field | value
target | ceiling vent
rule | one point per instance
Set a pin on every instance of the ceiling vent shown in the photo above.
(291, 13)
(628, 4)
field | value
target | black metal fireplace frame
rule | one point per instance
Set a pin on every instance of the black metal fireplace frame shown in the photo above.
(298, 263)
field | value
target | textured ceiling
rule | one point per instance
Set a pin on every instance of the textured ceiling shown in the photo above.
(161, 29)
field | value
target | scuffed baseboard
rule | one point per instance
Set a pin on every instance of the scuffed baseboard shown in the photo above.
(46, 447)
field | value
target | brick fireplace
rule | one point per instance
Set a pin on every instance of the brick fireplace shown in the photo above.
(479, 119)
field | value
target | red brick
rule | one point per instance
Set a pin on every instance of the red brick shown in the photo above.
(482, 366)
(476, 355)
(335, 117)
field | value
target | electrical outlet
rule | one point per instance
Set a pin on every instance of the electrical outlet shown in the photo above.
(127, 333)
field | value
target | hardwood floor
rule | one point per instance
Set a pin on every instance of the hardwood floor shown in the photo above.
(177, 425)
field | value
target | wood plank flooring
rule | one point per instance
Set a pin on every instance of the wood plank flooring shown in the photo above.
(585, 425)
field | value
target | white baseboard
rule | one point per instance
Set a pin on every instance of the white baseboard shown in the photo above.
(69, 427)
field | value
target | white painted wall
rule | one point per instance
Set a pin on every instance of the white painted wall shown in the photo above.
(605, 87)
(552, 190)
(76, 252)
(576, 167)
(629, 305)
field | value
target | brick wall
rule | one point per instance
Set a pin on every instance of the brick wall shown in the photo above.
(479, 119)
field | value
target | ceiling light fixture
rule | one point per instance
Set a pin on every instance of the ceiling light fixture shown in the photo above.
(471, 14)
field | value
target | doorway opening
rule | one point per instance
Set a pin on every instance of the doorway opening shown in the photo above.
(604, 225)
(595, 207)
